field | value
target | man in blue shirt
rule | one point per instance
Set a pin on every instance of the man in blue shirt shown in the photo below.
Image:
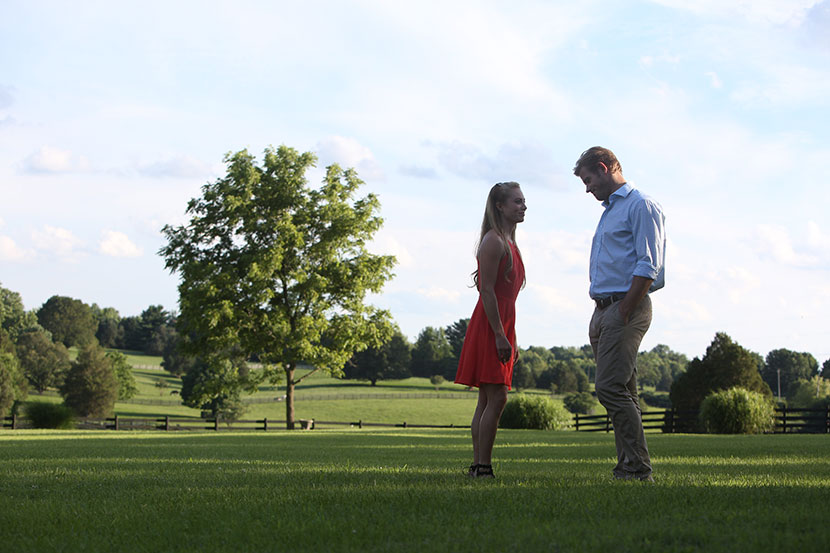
(627, 259)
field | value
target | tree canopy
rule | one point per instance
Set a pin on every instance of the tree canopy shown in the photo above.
(791, 366)
(14, 319)
(725, 365)
(91, 386)
(69, 320)
(12, 382)
(43, 361)
(390, 360)
(432, 354)
(278, 269)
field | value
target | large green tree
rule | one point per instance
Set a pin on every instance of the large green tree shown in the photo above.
(14, 318)
(725, 365)
(278, 269)
(69, 320)
(432, 354)
(216, 384)
(127, 387)
(108, 320)
(12, 382)
(455, 333)
(175, 358)
(43, 361)
(390, 360)
(784, 368)
(659, 367)
(91, 386)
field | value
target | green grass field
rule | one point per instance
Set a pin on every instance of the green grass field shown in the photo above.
(403, 490)
(320, 397)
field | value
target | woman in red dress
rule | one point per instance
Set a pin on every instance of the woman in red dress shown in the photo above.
(489, 349)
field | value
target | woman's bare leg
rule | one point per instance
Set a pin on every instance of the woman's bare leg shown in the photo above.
(475, 425)
(488, 423)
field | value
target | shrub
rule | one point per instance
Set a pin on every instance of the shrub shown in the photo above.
(49, 415)
(91, 387)
(580, 402)
(534, 412)
(737, 411)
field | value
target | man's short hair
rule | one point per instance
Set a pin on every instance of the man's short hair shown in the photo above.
(593, 156)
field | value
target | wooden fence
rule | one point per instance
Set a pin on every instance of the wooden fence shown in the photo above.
(184, 423)
(316, 397)
(788, 420)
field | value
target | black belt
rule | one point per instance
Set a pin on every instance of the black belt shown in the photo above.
(602, 303)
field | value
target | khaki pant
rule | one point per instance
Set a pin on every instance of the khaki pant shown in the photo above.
(615, 346)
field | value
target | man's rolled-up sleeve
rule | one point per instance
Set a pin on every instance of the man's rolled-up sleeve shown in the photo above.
(648, 226)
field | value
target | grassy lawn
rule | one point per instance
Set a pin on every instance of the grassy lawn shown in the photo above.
(403, 490)
(328, 398)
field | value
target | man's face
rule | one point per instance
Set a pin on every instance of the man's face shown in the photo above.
(598, 182)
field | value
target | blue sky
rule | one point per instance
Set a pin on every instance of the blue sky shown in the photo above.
(113, 115)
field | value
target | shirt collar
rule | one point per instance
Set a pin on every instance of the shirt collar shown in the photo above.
(623, 191)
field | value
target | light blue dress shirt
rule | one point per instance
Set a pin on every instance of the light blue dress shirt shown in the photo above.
(630, 241)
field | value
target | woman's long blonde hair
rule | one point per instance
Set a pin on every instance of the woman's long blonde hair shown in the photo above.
(492, 221)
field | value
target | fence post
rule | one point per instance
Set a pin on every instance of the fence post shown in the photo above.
(576, 422)
(360, 423)
(608, 423)
(117, 427)
(167, 423)
(14, 421)
(216, 423)
(265, 424)
(784, 418)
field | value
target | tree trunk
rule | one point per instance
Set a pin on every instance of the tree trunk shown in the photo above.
(289, 396)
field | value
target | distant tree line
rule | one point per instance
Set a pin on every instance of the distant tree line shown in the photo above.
(34, 356)
(561, 370)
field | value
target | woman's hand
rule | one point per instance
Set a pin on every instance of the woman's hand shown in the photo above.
(503, 347)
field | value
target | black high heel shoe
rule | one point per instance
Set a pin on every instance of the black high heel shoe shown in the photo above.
(472, 471)
(485, 471)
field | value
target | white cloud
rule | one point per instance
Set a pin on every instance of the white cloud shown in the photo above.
(817, 239)
(714, 80)
(774, 241)
(741, 282)
(437, 293)
(386, 244)
(528, 163)
(54, 160)
(117, 244)
(9, 251)
(58, 241)
(348, 152)
(556, 299)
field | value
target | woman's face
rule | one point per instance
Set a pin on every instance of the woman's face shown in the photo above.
(514, 207)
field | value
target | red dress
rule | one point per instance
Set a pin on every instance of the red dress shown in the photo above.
(479, 361)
